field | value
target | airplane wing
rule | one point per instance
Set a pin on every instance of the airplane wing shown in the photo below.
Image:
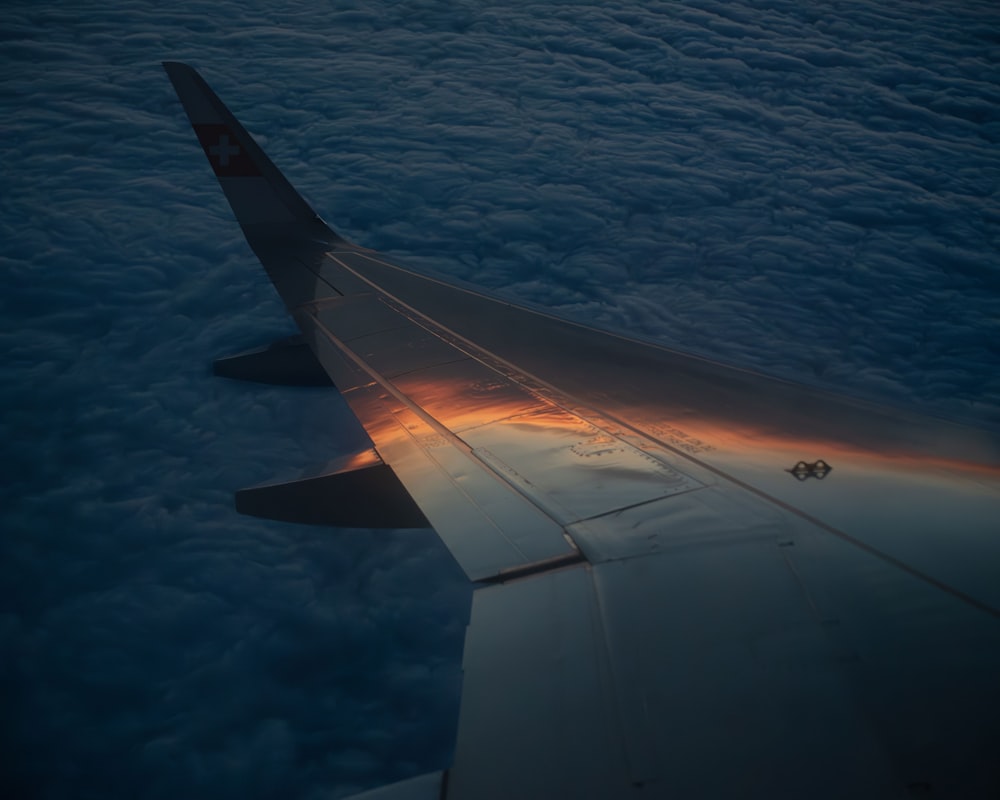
(692, 580)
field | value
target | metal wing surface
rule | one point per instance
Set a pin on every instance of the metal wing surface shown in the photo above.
(693, 580)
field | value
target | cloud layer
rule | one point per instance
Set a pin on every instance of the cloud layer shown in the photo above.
(805, 190)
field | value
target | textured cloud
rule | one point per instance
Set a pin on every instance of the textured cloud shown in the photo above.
(803, 189)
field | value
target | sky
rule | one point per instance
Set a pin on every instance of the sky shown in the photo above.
(806, 189)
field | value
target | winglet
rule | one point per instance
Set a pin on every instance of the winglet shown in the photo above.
(255, 188)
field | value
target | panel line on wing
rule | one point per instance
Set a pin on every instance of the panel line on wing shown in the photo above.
(547, 393)
(702, 465)
(538, 567)
(411, 441)
(551, 396)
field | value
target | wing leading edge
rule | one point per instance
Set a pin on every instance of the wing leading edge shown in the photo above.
(672, 608)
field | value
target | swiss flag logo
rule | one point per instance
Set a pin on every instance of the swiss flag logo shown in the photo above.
(227, 156)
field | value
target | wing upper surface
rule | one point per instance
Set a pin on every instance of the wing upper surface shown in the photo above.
(708, 582)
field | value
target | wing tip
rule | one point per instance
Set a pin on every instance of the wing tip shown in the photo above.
(177, 67)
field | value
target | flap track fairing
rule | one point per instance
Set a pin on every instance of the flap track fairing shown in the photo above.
(359, 491)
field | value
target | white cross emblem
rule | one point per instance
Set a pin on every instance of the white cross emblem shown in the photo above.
(223, 150)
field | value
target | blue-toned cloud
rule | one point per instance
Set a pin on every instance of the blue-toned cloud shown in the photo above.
(802, 189)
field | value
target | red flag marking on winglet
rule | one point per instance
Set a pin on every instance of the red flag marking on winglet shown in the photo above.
(227, 156)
